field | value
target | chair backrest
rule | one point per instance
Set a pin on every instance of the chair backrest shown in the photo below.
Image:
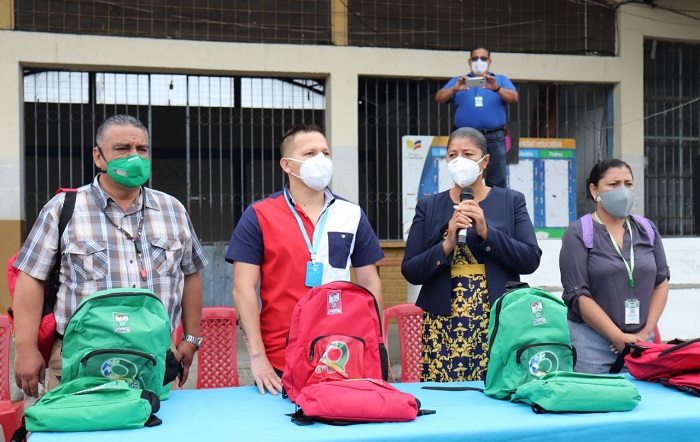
(5, 358)
(217, 364)
(657, 335)
(409, 319)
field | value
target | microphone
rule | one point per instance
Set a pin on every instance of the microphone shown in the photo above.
(466, 195)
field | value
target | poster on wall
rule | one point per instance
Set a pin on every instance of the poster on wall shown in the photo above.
(546, 175)
(424, 172)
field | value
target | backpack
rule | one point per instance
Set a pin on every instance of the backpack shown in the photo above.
(91, 404)
(528, 338)
(47, 326)
(587, 229)
(120, 334)
(674, 365)
(355, 401)
(562, 392)
(334, 334)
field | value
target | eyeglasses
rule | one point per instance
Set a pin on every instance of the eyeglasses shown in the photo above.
(480, 58)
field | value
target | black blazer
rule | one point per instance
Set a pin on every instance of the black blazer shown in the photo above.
(509, 250)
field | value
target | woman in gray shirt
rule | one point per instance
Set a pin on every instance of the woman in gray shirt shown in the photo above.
(613, 270)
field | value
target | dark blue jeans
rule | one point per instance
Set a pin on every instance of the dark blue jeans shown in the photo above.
(496, 145)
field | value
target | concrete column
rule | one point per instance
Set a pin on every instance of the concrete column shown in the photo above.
(341, 132)
(628, 137)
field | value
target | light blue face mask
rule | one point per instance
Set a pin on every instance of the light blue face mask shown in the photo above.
(617, 202)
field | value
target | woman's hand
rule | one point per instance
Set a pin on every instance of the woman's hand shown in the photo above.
(470, 215)
(619, 344)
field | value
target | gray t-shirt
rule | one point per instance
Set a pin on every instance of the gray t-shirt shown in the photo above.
(600, 273)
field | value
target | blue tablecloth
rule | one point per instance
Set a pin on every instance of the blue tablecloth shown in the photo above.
(243, 414)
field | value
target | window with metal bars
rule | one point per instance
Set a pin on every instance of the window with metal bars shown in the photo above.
(530, 26)
(214, 140)
(393, 108)
(672, 136)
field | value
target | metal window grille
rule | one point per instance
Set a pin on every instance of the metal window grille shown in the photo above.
(214, 140)
(532, 26)
(672, 136)
(392, 108)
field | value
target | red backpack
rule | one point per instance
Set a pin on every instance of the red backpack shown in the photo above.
(335, 334)
(47, 326)
(676, 365)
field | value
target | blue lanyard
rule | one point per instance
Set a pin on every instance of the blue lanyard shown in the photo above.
(319, 229)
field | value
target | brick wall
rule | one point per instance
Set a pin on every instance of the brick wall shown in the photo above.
(394, 285)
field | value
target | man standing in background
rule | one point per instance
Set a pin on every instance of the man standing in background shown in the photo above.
(483, 108)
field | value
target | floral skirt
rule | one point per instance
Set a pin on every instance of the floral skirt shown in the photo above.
(455, 347)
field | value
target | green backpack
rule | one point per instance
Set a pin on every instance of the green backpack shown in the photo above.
(560, 392)
(528, 338)
(92, 404)
(121, 334)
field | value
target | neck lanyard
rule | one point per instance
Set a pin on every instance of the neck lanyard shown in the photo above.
(630, 266)
(319, 229)
(135, 240)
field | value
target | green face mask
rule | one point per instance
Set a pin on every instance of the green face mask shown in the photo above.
(129, 172)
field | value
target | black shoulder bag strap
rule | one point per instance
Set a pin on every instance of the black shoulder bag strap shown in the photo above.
(620, 361)
(54, 277)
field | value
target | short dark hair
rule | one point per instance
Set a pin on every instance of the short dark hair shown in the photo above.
(480, 46)
(599, 170)
(118, 120)
(288, 137)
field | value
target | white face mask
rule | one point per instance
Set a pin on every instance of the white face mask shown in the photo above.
(315, 172)
(479, 67)
(464, 171)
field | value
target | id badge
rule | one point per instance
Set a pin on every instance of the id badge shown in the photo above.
(314, 274)
(478, 101)
(632, 311)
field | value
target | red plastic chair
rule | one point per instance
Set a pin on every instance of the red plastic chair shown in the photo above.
(217, 365)
(11, 413)
(409, 319)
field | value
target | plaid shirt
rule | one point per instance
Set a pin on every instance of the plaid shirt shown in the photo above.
(96, 255)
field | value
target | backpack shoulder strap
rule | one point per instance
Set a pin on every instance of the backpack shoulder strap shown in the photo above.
(63, 220)
(647, 226)
(587, 230)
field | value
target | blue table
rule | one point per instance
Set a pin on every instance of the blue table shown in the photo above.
(243, 414)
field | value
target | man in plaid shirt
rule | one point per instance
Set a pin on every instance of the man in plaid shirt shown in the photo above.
(121, 235)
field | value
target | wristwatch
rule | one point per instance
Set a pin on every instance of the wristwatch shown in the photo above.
(197, 342)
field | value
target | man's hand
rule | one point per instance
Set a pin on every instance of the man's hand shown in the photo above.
(29, 370)
(185, 354)
(461, 85)
(490, 82)
(264, 375)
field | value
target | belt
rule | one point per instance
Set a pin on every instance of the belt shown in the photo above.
(490, 131)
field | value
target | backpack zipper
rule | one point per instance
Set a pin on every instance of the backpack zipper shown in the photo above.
(522, 349)
(118, 351)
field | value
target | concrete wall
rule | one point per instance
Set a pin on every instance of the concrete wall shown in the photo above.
(340, 65)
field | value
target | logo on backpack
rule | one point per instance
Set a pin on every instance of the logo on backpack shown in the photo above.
(537, 313)
(335, 304)
(119, 369)
(121, 323)
(334, 358)
(543, 363)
